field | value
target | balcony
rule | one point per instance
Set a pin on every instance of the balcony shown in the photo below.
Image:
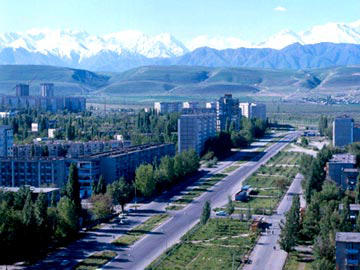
(350, 262)
(352, 251)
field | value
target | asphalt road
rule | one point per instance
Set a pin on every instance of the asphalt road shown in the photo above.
(155, 243)
(264, 256)
(143, 252)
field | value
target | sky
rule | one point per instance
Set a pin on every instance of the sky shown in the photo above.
(252, 20)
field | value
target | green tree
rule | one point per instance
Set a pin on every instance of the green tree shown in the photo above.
(120, 191)
(101, 205)
(101, 186)
(67, 224)
(230, 206)
(205, 215)
(53, 199)
(28, 212)
(73, 187)
(144, 180)
(40, 210)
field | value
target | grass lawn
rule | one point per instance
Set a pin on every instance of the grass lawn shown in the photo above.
(211, 246)
(139, 231)
(96, 260)
(230, 169)
(254, 203)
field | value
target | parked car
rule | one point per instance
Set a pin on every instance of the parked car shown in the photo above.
(221, 213)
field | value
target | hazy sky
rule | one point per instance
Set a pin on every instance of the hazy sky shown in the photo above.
(252, 20)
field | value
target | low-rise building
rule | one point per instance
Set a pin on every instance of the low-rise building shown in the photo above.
(53, 171)
(349, 178)
(347, 250)
(336, 166)
(354, 211)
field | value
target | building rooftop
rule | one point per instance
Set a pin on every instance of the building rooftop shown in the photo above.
(343, 158)
(353, 207)
(33, 189)
(351, 170)
(351, 237)
(126, 150)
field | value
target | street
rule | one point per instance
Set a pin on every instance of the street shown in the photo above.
(143, 252)
(264, 256)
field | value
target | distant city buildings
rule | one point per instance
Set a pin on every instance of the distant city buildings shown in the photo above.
(253, 110)
(347, 250)
(342, 170)
(194, 129)
(46, 101)
(191, 105)
(168, 107)
(227, 111)
(6, 141)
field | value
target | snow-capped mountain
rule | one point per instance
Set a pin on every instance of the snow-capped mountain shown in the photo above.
(68, 44)
(126, 49)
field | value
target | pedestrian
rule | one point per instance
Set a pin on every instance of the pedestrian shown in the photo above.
(274, 248)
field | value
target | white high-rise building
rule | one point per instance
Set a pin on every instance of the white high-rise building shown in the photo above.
(194, 130)
(253, 110)
(6, 141)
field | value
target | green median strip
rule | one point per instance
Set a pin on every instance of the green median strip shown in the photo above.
(96, 260)
(174, 207)
(230, 169)
(203, 186)
(139, 231)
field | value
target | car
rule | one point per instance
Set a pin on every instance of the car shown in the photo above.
(221, 213)
(65, 263)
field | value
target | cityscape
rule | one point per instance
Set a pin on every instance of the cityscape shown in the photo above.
(164, 135)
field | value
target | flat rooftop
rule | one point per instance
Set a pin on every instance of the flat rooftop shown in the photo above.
(343, 158)
(353, 207)
(33, 189)
(350, 237)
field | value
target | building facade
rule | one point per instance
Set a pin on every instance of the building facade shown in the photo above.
(343, 131)
(6, 141)
(194, 130)
(227, 111)
(47, 89)
(347, 250)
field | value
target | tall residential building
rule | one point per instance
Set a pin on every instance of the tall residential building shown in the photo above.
(194, 130)
(22, 90)
(47, 89)
(227, 110)
(6, 141)
(347, 250)
(343, 131)
(253, 110)
(167, 107)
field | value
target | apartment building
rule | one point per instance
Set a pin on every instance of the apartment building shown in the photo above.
(343, 131)
(339, 169)
(167, 107)
(194, 130)
(6, 141)
(191, 105)
(347, 250)
(227, 110)
(113, 164)
(253, 110)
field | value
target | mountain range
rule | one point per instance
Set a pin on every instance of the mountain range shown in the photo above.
(328, 45)
(152, 82)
